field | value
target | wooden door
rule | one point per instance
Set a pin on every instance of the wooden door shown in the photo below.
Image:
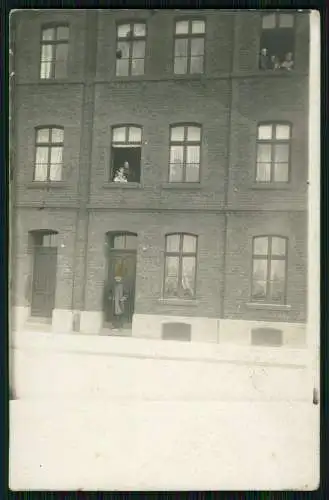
(44, 281)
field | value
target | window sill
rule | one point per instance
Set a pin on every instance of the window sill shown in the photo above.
(179, 302)
(268, 307)
(181, 185)
(272, 186)
(47, 185)
(122, 185)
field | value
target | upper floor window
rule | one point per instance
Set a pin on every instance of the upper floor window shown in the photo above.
(180, 265)
(277, 41)
(131, 39)
(123, 241)
(49, 154)
(273, 152)
(126, 154)
(269, 264)
(54, 52)
(185, 145)
(189, 47)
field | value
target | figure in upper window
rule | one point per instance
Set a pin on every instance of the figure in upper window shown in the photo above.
(277, 41)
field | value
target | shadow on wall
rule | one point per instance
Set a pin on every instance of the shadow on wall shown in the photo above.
(176, 331)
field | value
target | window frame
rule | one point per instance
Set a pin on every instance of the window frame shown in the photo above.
(121, 144)
(49, 146)
(273, 142)
(189, 37)
(185, 143)
(131, 40)
(180, 254)
(53, 43)
(268, 300)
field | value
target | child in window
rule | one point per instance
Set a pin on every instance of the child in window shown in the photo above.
(120, 175)
(263, 59)
(275, 63)
(288, 63)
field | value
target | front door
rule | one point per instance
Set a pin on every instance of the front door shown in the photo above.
(122, 264)
(44, 281)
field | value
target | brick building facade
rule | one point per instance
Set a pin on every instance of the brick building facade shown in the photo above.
(209, 234)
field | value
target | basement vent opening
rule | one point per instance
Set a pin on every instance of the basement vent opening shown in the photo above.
(176, 331)
(266, 337)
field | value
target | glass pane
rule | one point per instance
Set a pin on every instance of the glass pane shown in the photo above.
(61, 52)
(263, 172)
(176, 173)
(56, 155)
(264, 153)
(49, 240)
(43, 135)
(131, 241)
(259, 290)
(197, 47)
(137, 67)
(278, 269)
(265, 132)
(180, 66)
(188, 276)
(122, 67)
(281, 153)
(40, 173)
(282, 131)
(176, 154)
(119, 134)
(278, 246)
(259, 279)
(139, 30)
(181, 27)
(45, 70)
(181, 47)
(124, 48)
(196, 64)
(57, 135)
(193, 133)
(55, 172)
(135, 134)
(172, 243)
(42, 155)
(119, 242)
(198, 26)
(123, 30)
(171, 276)
(192, 173)
(260, 246)
(277, 291)
(60, 69)
(193, 154)
(48, 34)
(177, 134)
(189, 243)
(138, 50)
(286, 20)
(268, 21)
(47, 53)
(62, 33)
(281, 172)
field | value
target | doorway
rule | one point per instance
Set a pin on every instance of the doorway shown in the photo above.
(44, 274)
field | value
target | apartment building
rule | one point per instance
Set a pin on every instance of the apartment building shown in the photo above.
(159, 173)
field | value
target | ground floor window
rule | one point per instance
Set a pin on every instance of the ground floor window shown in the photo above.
(180, 266)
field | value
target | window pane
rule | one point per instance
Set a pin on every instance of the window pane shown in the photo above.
(122, 67)
(181, 47)
(188, 276)
(176, 173)
(278, 246)
(57, 135)
(139, 29)
(196, 65)
(278, 269)
(281, 153)
(45, 70)
(131, 241)
(138, 50)
(171, 276)
(286, 20)
(56, 155)
(193, 154)
(137, 67)
(47, 53)
(119, 134)
(124, 47)
(55, 172)
(263, 172)
(48, 34)
(259, 279)
(61, 51)
(180, 67)
(176, 154)
(172, 243)
(62, 33)
(282, 131)
(40, 173)
(42, 155)
(192, 173)
(189, 243)
(264, 153)
(123, 30)
(181, 27)
(43, 135)
(277, 281)
(197, 47)
(118, 242)
(193, 133)
(198, 26)
(135, 134)
(268, 21)
(60, 69)
(177, 134)
(259, 290)
(265, 132)
(260, 246)
(281, 172)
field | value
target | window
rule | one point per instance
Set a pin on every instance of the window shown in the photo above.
(49, 154)
(44, 238)
(126, 154)
(54, 52)
(184, 161)
(273, 152)
(189, 47)
(131, 39)
(180, 266)
(123, 241)
(277, 42)
(269, 263)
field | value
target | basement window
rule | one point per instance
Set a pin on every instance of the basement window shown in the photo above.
(277, 42)
(126, 154)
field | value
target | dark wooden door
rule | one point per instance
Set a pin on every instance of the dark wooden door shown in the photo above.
(122, 264)
(44, 281)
